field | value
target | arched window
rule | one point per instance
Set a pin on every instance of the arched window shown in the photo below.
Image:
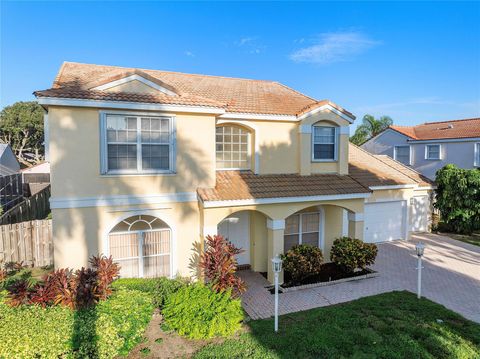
(141, 245)
(324, 143)
(232, 147)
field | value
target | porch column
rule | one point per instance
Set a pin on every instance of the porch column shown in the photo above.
(355, 225)
(275, 231)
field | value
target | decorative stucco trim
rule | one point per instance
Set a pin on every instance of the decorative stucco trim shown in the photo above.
(135, 77)
(326, 107)
(399, 186)
(74, 102)
(255, 201)
(258, 116)
(81, 202)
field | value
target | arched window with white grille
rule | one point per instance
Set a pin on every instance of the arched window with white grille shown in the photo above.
(141, 245)
(232, 148)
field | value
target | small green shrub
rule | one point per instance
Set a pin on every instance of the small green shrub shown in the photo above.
(302, 261)
(111, 328)
(146, 285)
(164, 288)
(198, 312)
(351, 253)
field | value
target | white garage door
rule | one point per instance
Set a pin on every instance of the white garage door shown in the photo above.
(419, 214)
(384, 221)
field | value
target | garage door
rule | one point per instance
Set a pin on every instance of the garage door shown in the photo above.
(384, 221)
(419, 214)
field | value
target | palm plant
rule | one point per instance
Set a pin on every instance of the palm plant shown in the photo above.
(369, 128)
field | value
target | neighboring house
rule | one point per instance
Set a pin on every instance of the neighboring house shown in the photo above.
(145, 164)
(8, 162)
(430, 146)
(36, 177)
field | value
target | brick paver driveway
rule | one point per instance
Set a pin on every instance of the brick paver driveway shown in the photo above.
(451, 277)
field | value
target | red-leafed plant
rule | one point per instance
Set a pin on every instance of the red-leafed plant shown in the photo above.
(107, 271)
(65, 285)
(219, 264)
(3, 274)
(86, 292)
(44, 294)
(19, 292)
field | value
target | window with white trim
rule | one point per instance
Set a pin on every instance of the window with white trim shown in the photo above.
(432, 152)
(324, 143)
(137, 144)
(302, 228)
(402, 154)
(232, 147)
(476, 162)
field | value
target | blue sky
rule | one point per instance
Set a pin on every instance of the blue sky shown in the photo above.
(413, 61)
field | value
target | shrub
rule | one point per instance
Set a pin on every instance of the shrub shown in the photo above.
(351, 253)
(106, 272)
(219, 263)
(110, 329)
(146, 285)
(458, 198)
(165, 288)
(198, 312)
(302, 261)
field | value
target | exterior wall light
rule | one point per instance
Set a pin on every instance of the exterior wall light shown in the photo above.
(277, 268)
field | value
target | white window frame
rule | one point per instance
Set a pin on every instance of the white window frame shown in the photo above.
(104, 171)
(335, 144)
(300, 224)
(427, 157)
(249, 148)
(476, 154)
(409, 153)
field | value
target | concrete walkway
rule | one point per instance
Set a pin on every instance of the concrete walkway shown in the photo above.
(451, 277)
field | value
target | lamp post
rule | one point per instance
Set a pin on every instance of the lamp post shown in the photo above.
(277, 268)
(419, 248)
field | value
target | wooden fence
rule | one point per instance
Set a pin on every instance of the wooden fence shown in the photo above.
(35, 207)
(27, 242)
(11, 190)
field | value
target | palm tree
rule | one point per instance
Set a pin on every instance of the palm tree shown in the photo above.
(369, 128)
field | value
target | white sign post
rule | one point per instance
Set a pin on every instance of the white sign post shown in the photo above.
(277, 268)
(419, 248)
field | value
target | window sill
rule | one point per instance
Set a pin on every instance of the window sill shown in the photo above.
(323, 161)
(142, 174)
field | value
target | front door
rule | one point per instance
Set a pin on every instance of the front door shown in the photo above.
(236, 228)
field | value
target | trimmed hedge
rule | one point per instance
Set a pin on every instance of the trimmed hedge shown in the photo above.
(198, 312)
(111, 328)
(351, 253)
(302, 261)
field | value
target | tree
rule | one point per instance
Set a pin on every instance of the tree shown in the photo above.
(369, 128)
(458, 198)
(21, 126)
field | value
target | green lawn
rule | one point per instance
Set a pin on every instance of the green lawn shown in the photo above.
(391, 325)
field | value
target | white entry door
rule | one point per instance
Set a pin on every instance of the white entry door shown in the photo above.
(420, 214)
(385, 221)
(236, 228)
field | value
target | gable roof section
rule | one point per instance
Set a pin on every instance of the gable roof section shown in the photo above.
(86, 81)
(466, 128)
(379, 170)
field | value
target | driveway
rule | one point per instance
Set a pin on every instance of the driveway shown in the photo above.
(451, 276)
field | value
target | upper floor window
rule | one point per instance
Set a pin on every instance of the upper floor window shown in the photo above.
(324, 143)
(137, 144)
(402, 154)
(232, 147)
(432, 152)
(477, 155)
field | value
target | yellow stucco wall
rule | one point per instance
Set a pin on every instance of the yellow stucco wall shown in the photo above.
(81, 232)
(75, 157)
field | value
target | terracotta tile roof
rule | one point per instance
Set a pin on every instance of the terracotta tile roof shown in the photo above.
(378, 170)
(233, 94)
(442, 130)
(240, 185)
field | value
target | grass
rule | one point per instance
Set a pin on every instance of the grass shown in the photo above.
(391, 325)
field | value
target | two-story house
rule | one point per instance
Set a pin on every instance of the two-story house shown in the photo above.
(430, 146)
(146, 163)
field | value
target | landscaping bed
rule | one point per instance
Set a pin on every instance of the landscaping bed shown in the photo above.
(330, 273)
(390, 325)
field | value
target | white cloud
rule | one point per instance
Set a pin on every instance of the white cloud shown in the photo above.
(250, 45)
(334, 47)
(189, 54)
